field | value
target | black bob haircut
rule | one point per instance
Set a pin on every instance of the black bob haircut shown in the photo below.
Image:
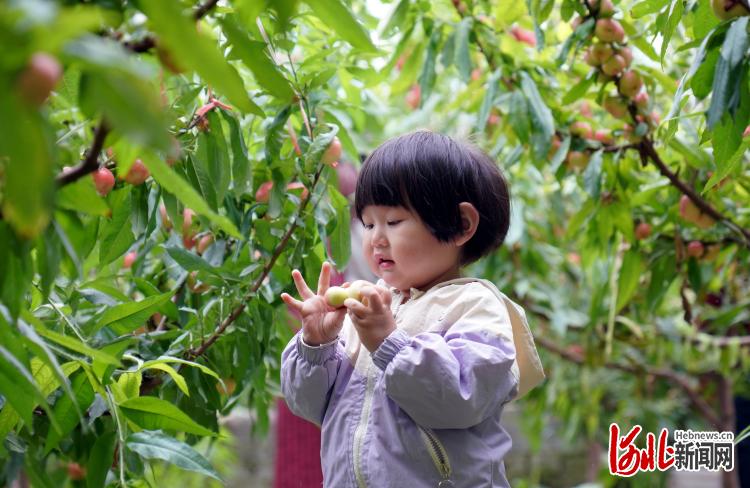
(430, 174)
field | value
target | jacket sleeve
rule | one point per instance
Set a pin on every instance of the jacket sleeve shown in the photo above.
(308, 374)
(457, 379)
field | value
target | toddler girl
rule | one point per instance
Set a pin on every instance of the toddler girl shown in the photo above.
(409, 384)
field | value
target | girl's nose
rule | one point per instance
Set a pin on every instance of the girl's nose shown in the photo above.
(378, 237)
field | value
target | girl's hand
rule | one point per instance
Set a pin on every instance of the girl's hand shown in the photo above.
(321, 323)
(372, 316)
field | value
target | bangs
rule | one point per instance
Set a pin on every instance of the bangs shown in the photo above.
(381, 182)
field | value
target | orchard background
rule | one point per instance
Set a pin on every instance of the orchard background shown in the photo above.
(164, 165)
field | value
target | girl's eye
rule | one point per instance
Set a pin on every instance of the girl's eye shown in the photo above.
(394, 222)
(367, 226)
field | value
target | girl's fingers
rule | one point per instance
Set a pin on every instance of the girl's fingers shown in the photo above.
(292, 302)
(302, 288)
(325, 278)
(371, 296)
(355, 307)
(385, 295)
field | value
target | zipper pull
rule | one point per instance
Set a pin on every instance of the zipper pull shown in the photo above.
(446, 484)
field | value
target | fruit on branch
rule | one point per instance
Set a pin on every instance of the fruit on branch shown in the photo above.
(614, 65)
(188, 232)
(296, 185)
(263, 193)
(137, 174)
(228, 387)
(586, 109)
(414, 96)
(626, 54)
(609, 30)
(39, 78)
(641, 100)
(523, 35)
(691, 213)
(347, 174)
(728, 9)
(166, 222)
(476, 74)
(605, 8)
(76, 472)
(104, 181)
(642, 230)
(577, 159)
(204, 242)
(629, 133)
(601, 52)
(581, 129)
(604, 136)
(332, 153)
(129, 260)
(630, 83)
(616, 107)
(695, 249)
(554, 146)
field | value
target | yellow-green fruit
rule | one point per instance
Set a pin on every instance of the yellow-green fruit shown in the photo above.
(336, 295)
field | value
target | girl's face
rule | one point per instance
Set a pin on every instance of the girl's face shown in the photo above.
(400, 249)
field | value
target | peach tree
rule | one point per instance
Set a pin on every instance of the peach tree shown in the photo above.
(164, 165)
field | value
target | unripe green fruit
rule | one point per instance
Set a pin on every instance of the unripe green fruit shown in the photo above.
(336, 295)
(578, 159)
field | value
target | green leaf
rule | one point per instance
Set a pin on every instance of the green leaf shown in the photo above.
(253, 55)
(81, 196)
(397, 18)
(100, 460)
(127, 317)
(178, 34)
(178, 379)
(340, 238)
(729, 71)
(338, 17)
(647, 7)
(28, 189)
(542, 123)
(128, 386)
(157, 445)
(154, 413)
(66, 412)
(630, 273)
(592, 175)
(320, 144)
(117, 236)
(173, 183)
(727, 167)
(427, 76)
(675, 16)
(171, 359)
(462, 53)
(275, 134)
(704, 20)
(493, 84)
(15, 377)
(189, 261)
(579, 89)
(74, 345)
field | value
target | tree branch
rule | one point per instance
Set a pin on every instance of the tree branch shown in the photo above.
(647, 149)
(698, 402)
(91, 163)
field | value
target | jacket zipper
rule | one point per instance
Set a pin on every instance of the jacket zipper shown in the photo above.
(361, 430)
(439, 456)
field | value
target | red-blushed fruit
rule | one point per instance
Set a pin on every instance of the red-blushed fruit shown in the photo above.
(401, 61)
(476, 74)
(296, 185)
(137, 174)
(574, 258)
(578, 159)
(166, 222)
(626, 54)
(728, 9)
(695, 249)
(586, 109)
(581, 129)
(554, 146)
(577, 21)
(576, 350)
(605, 8)
(691, 213)
(263, 193)
(604, 136)
(76, 472)
(39, 78)
(641, 100)
(414, 96)
(104, 181)
(188, 232)
(642, 230)
(601, 52)
(614, 65)
(609, 30)
(227, 389)
(347, 174)
(204, 242)
(630, 83)
(616, 107)
(747, 131)
(523, 35)
(590, 59)
(332, 153)
(629, 133)
(129, 259)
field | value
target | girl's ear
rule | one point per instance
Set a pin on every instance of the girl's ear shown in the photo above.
(469, 222)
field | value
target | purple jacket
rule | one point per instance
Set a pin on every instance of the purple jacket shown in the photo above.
(424, 409)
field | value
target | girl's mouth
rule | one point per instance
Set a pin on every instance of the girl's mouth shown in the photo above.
(385, 264)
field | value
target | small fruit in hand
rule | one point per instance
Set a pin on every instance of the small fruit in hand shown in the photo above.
(104, 181)
(609, 30)
(137, 174)
(695, 249)
(336, 295)
(129, 259)
(76, 472)
(414, 96)
(728, 9)
(642, 230)
(630, 83)
(332, 153)
(39, 78)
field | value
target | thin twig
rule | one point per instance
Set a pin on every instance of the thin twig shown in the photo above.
(91, 163)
